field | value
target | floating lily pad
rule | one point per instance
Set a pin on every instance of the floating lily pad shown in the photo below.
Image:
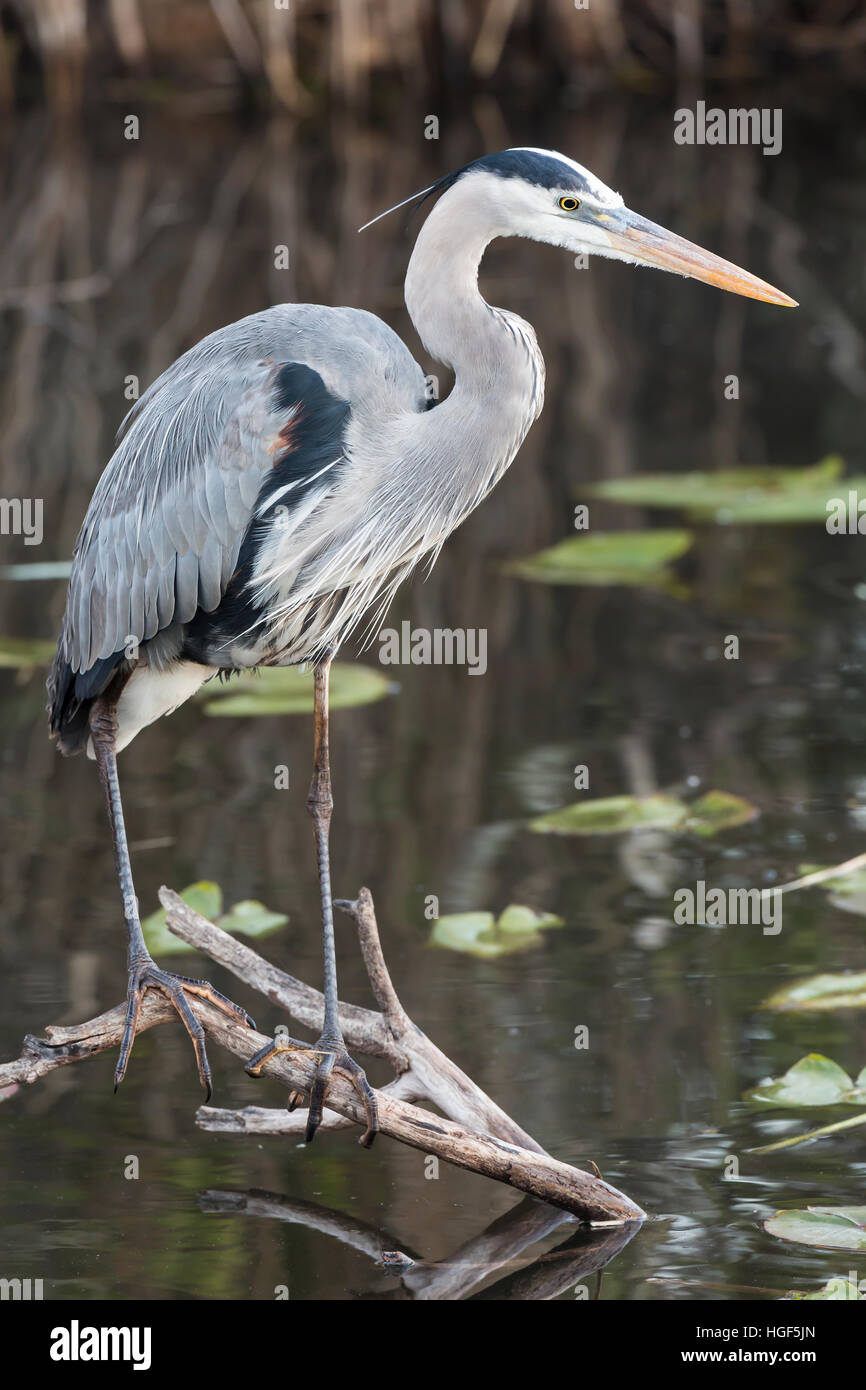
(828, 1228)
(814, 1080)
(838, 1288)
(248, 918)
(820, 992)
(289, 690)
(204, 897)
(516, 919)
(613, 815)
(602, 558)
(715, 811)
(18, 652)
(251, 918)
(745, 496)
(481, 934)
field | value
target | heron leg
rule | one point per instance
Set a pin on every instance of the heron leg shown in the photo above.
(331, 1047)
(144, 973)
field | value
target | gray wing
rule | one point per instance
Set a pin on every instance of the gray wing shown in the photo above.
(164, 528)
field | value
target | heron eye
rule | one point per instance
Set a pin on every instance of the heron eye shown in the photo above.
(569, 204)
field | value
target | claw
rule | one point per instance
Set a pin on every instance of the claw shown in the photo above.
(147, 975)
(283, 1043)
(318, 1091)
(332, 1056)
(335, 1058)
(367, 1096)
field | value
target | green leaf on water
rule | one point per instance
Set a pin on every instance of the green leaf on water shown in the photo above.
(204, 897)
(516, 920)
(612, 815)
(25, 652)
(715, 811)
(838, 1288)
(814, 1080)
(828, 1228)
(606, 558)
(251, 918)
(820, 992)
(472, 932)
(481, 934)
(289, 690)
(744, 496)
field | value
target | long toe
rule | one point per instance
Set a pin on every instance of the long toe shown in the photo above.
(147, 975)
(318, 1092)
(358, 1077)
(203, 989)
(338, 1060)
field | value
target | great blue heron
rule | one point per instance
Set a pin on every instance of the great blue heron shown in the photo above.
(274, 486)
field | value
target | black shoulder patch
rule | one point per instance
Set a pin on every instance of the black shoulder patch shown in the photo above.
(312, 435)
(310, 441)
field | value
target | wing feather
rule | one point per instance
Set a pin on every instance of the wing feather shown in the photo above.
(167, 520)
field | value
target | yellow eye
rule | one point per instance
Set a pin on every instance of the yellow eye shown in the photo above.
(569, 204)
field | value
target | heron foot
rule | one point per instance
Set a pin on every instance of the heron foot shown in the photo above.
(145, 974)
(331, 1057)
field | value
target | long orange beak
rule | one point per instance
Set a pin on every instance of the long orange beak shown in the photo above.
(649, 244)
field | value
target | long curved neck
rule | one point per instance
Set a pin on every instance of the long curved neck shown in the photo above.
(442, 293)
(489, 351)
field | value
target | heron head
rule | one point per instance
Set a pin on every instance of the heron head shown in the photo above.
(548, 197)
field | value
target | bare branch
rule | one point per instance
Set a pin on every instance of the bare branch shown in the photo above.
(391, 1035)
(363, 1029)
(479, 1136)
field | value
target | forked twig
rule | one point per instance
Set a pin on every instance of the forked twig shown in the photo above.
(477, 1134)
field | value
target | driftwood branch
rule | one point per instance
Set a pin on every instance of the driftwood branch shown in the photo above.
(477, 1134)
(427, 1072)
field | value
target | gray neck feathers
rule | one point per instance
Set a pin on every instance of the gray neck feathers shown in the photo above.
(413, 476)
(499, 372)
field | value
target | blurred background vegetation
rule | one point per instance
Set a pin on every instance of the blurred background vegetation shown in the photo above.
(362, 54)
(262, 127)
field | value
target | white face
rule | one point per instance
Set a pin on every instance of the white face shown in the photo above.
(591, 218)
(518, 208)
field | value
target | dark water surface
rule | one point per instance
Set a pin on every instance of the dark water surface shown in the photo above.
(160, 243)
